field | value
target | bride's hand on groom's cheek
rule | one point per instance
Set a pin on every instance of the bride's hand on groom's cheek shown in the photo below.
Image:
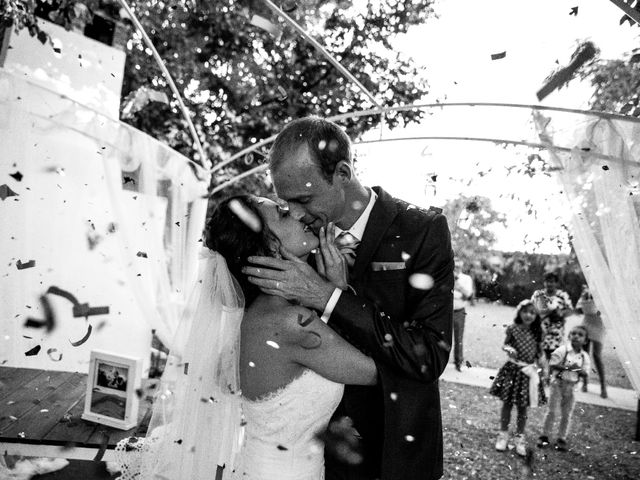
(290, 278)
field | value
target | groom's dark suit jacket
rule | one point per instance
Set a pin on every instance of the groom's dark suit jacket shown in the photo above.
(407, 331)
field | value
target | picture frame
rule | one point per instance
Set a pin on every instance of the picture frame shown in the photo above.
(111, 397)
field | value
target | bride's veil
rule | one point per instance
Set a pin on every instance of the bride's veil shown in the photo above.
(196, 423)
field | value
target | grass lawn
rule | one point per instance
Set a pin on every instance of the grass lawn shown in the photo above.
(601, 443)
(484, 335)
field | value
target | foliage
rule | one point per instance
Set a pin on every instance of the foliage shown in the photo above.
(518, 274)
(242, 83)
(616, 84)
(470, 219)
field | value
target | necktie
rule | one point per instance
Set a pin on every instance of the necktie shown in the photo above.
(347, 245)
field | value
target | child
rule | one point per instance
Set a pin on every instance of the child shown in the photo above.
(512, 384)
(568, 362)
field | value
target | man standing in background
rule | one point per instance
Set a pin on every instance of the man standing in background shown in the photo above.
(462, 294)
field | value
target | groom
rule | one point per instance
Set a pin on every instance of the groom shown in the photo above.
(398, 309)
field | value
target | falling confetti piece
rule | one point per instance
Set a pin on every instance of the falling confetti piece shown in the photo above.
(303, 322)
(289, 6)
(103, 447)
(49, 318)
(582, 55)
(22, 266)
(245, 215)
(498, 56)
(273, 344)
(55, 358)
(266, 25)
(17, 176)
(83, 339)
(141, 254)
(409, 438)
(605, 167)
(252, 365)
(421, 281)
(393, 396)
(574, 11)
(283, 448)
(34, 351)
(6, 192)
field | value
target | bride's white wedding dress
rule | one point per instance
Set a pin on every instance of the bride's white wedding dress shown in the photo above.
(201, 421)
(280, 428)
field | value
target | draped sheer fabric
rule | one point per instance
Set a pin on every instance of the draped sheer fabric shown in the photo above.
(88, 176)
(604, 196)
(196, 424)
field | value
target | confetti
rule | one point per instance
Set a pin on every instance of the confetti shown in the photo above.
(289, 6)
(79, 309)
(28, 264)
(103, 447)
(303, 322)
(6, 192)
(17, 176)
(409, 438)
(498, 56)
(282, 448)
(421, 281)
(393, 396)
(582, 55)
(55, 358)
(83, 339)
(245, 215)
(574, 11)
(34, 351)
(266, 25)
(273, 344)
(141, 254)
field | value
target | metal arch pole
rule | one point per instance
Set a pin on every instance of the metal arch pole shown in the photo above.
(539, 146)
(322, 50)
(400, 108)
(205, 161)
(634, 14)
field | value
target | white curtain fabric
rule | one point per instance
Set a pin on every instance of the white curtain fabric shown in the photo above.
(127, 243)
(604, 196)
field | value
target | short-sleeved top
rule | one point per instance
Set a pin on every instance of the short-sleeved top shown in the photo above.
(524, 341)
(564, 356)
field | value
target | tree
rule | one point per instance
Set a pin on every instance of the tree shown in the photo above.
(469, 221)
(242, 83)
(616, 84)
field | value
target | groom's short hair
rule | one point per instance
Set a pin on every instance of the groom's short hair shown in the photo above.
(328, 144)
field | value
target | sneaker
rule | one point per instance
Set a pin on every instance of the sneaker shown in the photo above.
(521, 445)
(543, 441)
(501, 441)
(561, 445)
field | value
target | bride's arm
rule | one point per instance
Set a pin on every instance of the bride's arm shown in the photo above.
(313, 344)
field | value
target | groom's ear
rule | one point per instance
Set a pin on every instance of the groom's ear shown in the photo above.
(343, 172)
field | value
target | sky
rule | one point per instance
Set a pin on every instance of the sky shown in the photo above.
(456, 49)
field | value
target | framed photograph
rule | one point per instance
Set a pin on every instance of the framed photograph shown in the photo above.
(111, 390)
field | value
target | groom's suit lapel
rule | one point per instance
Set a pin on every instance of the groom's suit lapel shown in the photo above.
(382, 215)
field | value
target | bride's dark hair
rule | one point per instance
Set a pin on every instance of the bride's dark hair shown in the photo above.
(229, 233)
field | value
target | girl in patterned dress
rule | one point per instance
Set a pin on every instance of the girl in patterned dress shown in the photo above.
(511, 385)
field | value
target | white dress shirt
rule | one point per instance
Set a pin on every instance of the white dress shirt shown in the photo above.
(357, 230)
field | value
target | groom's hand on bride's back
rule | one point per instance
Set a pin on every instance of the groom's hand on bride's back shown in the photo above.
(290, 278)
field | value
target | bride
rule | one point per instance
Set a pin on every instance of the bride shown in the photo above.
(290, 367)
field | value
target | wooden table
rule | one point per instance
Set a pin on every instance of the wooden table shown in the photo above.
(40, 416)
